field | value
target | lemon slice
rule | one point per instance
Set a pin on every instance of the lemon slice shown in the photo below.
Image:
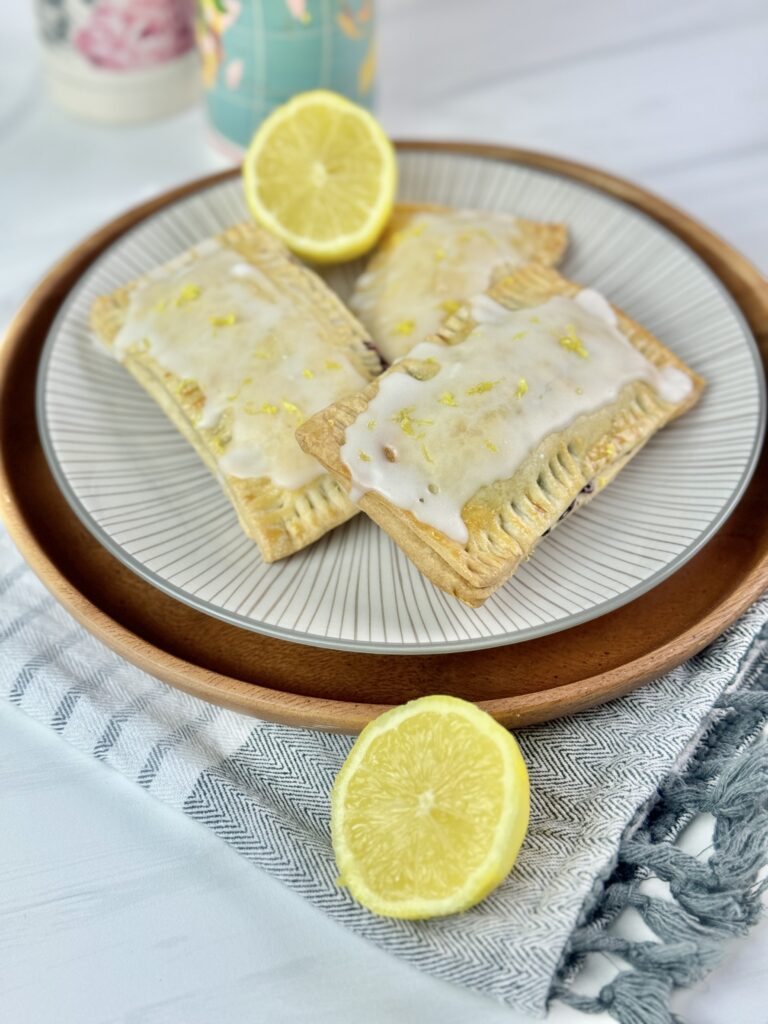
(321, 174)
(429, 810)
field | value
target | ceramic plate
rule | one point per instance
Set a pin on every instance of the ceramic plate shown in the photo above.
(144, 494)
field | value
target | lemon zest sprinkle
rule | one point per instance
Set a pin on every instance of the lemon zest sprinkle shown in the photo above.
(188, 293)
(447, 398)
(491, 447)
(227, 320)
(331, 364)
(484, 385)
(294, 410)
(371, 424)
(450, 305)
(414, 232)
(605, 451)
(406, 422)
(403, 419)
(427, 455)
(484, 233)
(308, 374)
(518, 337)
(259, 353)
(363, 456)
(522, 388)
(269, 409)
(405, 327)
(439, 254)
(571, 342)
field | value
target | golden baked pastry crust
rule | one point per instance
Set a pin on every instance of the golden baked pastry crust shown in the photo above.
(541, 242)
(281, 521)
(506, 519)
(372, 298)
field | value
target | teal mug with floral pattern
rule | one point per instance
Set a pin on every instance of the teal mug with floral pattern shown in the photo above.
(258, 53)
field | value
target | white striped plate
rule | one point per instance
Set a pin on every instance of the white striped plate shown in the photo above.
(142, 492)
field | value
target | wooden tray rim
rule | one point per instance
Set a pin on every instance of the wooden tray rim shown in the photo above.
(348, 716)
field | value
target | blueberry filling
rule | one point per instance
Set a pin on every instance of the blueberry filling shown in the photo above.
(588, 488)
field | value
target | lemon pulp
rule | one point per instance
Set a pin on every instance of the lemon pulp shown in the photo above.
(321, 174)
(430, 809)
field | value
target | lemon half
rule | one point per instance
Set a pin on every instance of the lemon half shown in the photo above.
(321, 174)
(430, 809)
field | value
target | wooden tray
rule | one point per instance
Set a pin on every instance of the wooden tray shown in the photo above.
(525, 683)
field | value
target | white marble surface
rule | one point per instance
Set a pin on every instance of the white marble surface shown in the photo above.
(114, 908)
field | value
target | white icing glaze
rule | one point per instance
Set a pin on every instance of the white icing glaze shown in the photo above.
(673, 385)
(243, 270)
(517, 378)
(596, 304)
(486, 310)
(439, 259)
(251, 348)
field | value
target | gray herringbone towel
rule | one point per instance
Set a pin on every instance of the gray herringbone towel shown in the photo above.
(265, 788)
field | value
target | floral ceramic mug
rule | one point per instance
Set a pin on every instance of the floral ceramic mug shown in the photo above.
(258, 53)
(120, 60)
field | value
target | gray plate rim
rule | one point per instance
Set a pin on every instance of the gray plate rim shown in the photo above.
(413, 649)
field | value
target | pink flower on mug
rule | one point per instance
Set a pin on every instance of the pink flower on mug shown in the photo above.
(233, 74)
(298, 10)
(129, 34)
